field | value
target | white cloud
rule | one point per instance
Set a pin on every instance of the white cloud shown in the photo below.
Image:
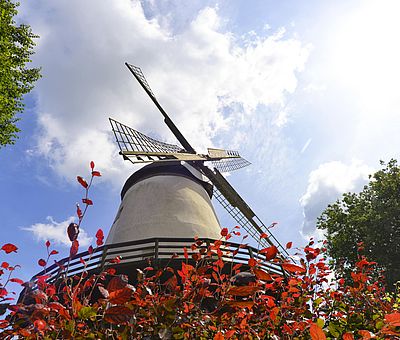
(195, 75)
(326, 184)
(56, 232)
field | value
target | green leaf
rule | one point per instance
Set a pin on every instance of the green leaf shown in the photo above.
(320, 323)
(317, 302)
(333, 330)
(87, 313)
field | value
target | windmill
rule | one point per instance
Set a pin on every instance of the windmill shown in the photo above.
(166, 203)
(136, 147)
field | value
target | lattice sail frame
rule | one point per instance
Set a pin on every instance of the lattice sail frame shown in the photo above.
(129, 139)
(139, 148)
(142, 79)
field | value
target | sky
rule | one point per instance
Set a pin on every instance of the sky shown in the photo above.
(305, 90)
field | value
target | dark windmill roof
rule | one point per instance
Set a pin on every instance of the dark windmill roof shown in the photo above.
(160, 169)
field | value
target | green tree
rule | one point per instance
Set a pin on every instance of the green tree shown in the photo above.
(371, 217)
(16, 47)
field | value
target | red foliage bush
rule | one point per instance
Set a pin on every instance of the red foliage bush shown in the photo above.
(202, 300)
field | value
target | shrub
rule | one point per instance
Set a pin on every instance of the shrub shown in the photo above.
(208, 297)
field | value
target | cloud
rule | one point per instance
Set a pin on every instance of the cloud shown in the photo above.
(56, 232)
(326, 184)
(196, 74)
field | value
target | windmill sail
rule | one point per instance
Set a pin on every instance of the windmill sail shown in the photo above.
(131, 140)
(139, 148)
(227, 161)
(138, 74)
(231, 201)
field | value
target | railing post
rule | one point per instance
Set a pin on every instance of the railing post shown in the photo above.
(156, 258)
(103, 258)
(250, 252)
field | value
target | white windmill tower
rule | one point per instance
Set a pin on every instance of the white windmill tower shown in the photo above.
(171, 197)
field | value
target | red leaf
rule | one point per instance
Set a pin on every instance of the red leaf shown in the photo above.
(118, 315)
(39, 296)
(316, 332)
(273, 224)
(185, 253)
(41, 280)
(47, 243)
(262, 275)
(90, 250)
(99, 237)
(242, 290)
(111, 271)
(120, 296)
(54, 252)
(9, 247)
(92, 165)
(60, 309)
(117, 283)
(289, 245)
(263, 235)
(42, 263)
(292, 268)
(270, 252)
(196, 257)
(241, 304)
(72, 231)
(224, 232)
(252, 262)
(366, 335)
(100, 234)
(229, 334)
(348, 336)
(5, 265)
(74, 248)
(14, 279)
(79, 212)
(82, 261)
(87, 201)
(82, 181)
(39, 324)
(393, 319)
(218, 336)
(96, 173)
(116, 259)
(4, 324)
(237, 266)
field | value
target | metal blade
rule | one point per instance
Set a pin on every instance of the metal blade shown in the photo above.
(130, 140)
(138, 74)
(228, 160)
(227, 196)
(228, 165)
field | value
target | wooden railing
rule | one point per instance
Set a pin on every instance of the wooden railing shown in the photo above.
(153, 250)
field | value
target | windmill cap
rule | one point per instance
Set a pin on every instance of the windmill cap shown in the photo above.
(160, 169)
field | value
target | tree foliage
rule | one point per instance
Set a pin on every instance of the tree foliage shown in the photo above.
(16, 79)
(369, 220)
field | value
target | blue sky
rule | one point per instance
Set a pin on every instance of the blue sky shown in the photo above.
(306, 90)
